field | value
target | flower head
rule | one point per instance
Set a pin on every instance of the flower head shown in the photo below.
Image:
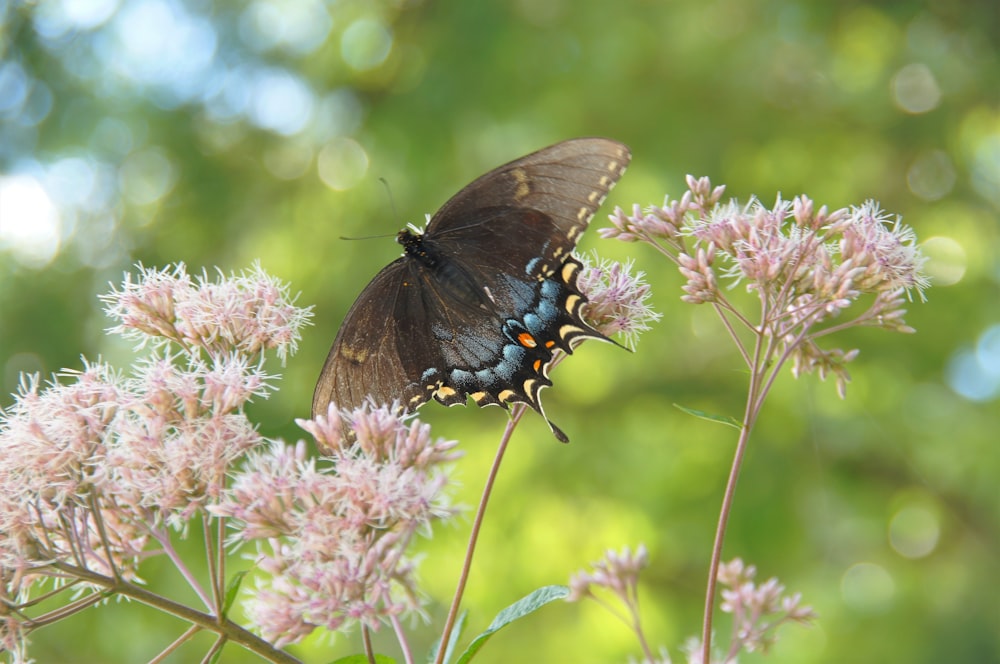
(808, 268)
(617, 299)
(884, 250)
(94, 464)
(757, 609)
(250, 312)
(53, 444)
(333, 534)
(617, 572)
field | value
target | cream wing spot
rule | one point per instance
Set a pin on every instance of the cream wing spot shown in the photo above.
(523, 186)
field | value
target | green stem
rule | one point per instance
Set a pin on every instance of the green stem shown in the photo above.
(477, 523)
(751, 409)
(224, 627)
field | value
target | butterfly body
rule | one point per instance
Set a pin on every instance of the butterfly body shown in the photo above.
(481, 300)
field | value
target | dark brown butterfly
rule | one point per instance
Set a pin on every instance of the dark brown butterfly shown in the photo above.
(479, 302)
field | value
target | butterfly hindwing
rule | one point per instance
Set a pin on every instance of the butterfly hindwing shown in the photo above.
(479, 303)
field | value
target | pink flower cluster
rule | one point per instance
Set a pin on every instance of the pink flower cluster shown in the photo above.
(617, 299)
(332, 534)
(248, 313)
(617, 574)
(53, 481)
(98, 465)
(757, 610)
(808, 268)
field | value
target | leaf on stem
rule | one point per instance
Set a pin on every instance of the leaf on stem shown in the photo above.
(363, 659)
(456, 632)
(232, 590)
(519, 609)
(721, 419)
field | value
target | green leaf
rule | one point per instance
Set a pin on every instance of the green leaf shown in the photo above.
(363, 659)
(456, 632)
(232, 590)
(721, 419)
(518, 609)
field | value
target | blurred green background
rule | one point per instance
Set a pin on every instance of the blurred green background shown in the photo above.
(217, 133)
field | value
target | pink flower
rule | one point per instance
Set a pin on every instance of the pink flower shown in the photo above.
(808, 267)
(757, 610)
(333, 535)
(93, 465)
(617, 299)
(54, 486)
(250, 312)
(617, 572)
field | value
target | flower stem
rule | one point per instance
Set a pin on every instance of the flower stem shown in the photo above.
(168, 548)
(636, 626)
(754, 399)
(720, 533)
(366, 638)
(224, 627)
(401, 637)
(178, 642)
(516, 414)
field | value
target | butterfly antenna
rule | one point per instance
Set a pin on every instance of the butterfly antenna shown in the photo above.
(395, 215)
(392, 201)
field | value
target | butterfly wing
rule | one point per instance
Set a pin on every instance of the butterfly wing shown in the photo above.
(511, 232)
(567, 181)
(364, 360)
(480, 304)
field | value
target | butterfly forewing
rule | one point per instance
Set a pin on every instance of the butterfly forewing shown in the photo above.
(566, 181)
(479, 303)
(364, 360)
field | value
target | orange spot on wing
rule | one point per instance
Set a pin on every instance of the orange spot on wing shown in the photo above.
(526, 340)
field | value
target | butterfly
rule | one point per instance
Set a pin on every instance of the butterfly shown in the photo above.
(480, 300)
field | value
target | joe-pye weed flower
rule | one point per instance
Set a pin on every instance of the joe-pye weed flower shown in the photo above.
(805, 273)
(101, 469)
(333, 533)
(812, 272)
